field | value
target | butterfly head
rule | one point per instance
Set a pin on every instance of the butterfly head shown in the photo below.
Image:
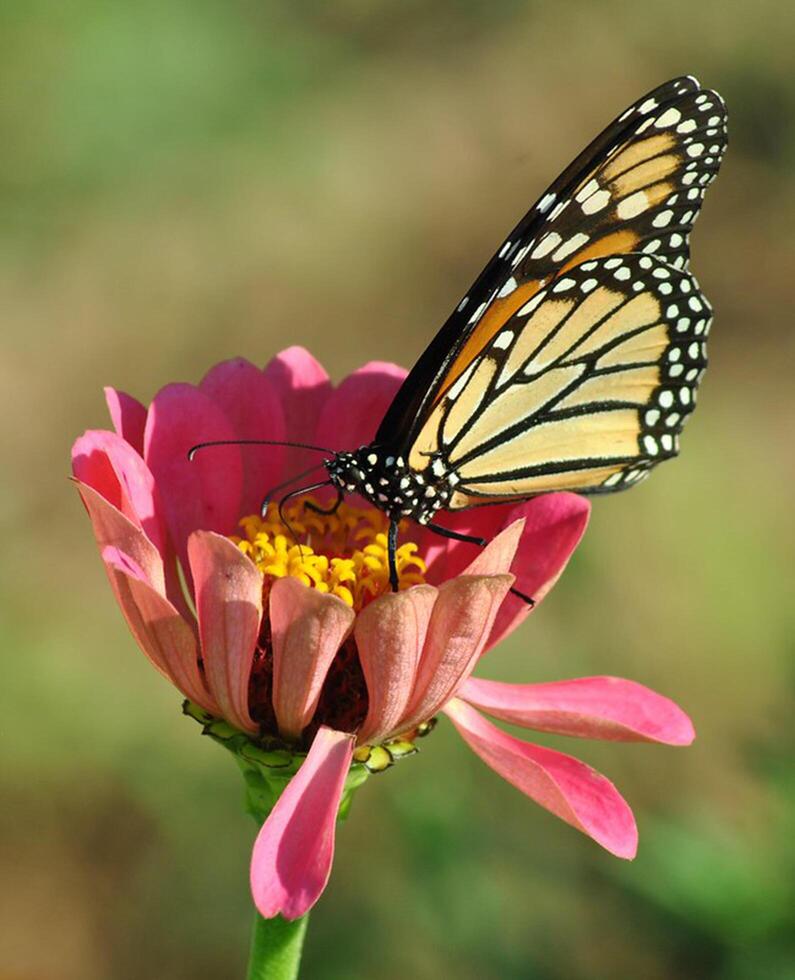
(389, 483)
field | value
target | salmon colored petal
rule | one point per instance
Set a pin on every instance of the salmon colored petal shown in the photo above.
(499, 553)
(607, 708)
(553, 526)
(390, 635)
(160, 631)
(307, 629)
(199, 494)
(252, 406)
(561, 784)
(112, 528)
(460, 625)
(104, 461)
(355, 408)
(128, 416)
(293, 852)
(229, 607)
(302, 388)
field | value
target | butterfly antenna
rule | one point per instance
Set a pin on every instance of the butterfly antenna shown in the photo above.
(296, 493)
(257, 442)
(280, 486)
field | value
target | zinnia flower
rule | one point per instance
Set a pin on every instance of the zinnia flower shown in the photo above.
(283, 630)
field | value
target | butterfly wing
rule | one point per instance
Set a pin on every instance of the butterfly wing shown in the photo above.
(586, 387)
(637, 187)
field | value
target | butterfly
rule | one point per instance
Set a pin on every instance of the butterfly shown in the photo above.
(573, 361)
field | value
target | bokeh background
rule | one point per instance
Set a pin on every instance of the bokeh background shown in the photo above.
(191, 180)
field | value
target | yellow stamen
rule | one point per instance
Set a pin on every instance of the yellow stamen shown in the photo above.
(345, 553)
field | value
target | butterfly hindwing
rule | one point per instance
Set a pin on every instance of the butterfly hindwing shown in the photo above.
(586, 386)
(637, 187)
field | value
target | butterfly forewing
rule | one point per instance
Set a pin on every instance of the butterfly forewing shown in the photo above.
(585, 387)
(637, 187)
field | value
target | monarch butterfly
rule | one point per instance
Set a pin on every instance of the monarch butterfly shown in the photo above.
(574, 359)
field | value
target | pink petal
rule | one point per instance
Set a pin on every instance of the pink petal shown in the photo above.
(104, 461)
(460, 625)
(128, 416)
(293, 852)
(112, 528)
(356, 407)
(607, 708)
(302, 388)
(390, 635)
(563, 785)
(554, 525)
(252, 406)
(229, 606)
(160, 631)
(307, 629)
(202, 494)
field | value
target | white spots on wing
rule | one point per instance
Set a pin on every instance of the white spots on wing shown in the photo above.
(458, 385)
(589, 266)
(633, 205)
(547, 244)
(521, 254)
(662, 219)
(675, 240)
(675, 370)
(695, 149)
(665, 288)
(652, 416)
(372, 459)
(668, 118)
(559, 209)
(672, 311)
(683, 324)
(650, 445)
(596, 202)
(623, 274)
(687, 126)
(503, 340)
(530, 305)
(546, 202)
(646, 263)
(570, 245)
(613, 263)
(695, 304)
(647, 106)
(667, 441)
(693, 351)
(590, 188)
(611, 481)
(588, 285)
(478, 313)
(652, 246)
(666, 399)
(507, 288)
(563, 285)
(504, 250)
(462, 304)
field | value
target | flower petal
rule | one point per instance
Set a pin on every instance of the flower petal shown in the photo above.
(128, 416)
(112, 528)
(203, 493)
(357, 405)
(302, 388)
(250, 403)
(307, 629)
(229, 606)
(291, 862)
(160, 631)
(104, 461)
(554, 525)
(609, 708)
(561, 784)
(498, 555)
(460, 625)
(390, 635)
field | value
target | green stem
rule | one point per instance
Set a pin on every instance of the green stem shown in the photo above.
(276, 946)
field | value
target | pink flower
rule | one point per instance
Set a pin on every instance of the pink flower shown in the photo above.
(304, 646)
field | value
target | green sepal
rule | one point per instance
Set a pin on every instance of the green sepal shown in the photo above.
(267, 765)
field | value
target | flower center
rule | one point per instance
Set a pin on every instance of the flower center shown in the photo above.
(344, 553)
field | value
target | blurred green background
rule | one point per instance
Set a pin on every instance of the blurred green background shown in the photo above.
(190, 180)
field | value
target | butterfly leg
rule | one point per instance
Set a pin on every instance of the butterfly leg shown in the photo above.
(326, 510)
(392, 548)
(445, 532)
